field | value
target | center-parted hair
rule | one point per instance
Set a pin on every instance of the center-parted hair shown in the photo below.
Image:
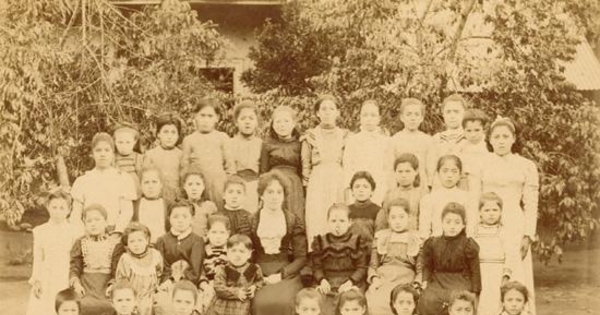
(463, 295)
(181, 204)
(94, 207)
(350, 295)
(408, 288)
(245, 104)
(450, 157)
(218, 218)
(413, 161)
(238, 239)
(474, 114)
(67, 295)
(185, 285)
(167, 119)
(363, 175)
(133, 227)
(399, 203)
(410, 102)
(235, 180)
(323, 98)
(194, 171)
(265, 181)
(455, 208)
(490, 196)
(514, 285)
(212, 102)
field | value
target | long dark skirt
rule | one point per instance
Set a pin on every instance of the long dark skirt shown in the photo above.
(94, 301)
(438, 292)
(278, 298)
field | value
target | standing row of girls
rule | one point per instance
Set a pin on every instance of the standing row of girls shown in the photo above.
(416, 211)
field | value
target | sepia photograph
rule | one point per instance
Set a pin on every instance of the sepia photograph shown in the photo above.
(299, 157)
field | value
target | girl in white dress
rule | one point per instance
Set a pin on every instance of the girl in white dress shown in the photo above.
(50, 272)
(369, 150)
(515, 179)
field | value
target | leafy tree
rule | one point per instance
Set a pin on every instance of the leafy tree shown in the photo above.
(505, 56)
(69, 69)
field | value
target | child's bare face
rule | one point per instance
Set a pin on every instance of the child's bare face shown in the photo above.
(405, 175)
(137, 242)
(490, 213)
(449, 174)
(308, 306)
(283, 124)
(362, 190)
(218, 234)
(369, 117)
(194, 187)
(404, 304)
(124, 141)
(453, 113)
(273, 196)
(68, 308)
(103, 155)
(238, 255)
(183, 302)
(95, 223)
(247, 122)
(180, 219)
(412, 117)
(328, 113)
(206, 119)
(352, 307)
(168, 136)
(514, 302)
(58, 209)
(338, 222)
(398, 219)
(124, 301)
(461, 307)
(474, 132)
(234, 196)
(452, 224)
(151, 184)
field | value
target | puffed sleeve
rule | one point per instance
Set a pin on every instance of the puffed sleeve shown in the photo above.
(76, 262)
(427, 259)
(38, 256)
(425, 213)
(118, 251)
(360, 262)
(123, 269)
(161, 248)
(530, 198)
(220, 285)
(78, 189)
(228, 155)
(265, 157)
(472, 256)
(349, 158)
(299, 249)
(306, 157)
(316, 261)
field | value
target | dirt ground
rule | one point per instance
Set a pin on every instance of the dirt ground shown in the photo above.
(572, 287)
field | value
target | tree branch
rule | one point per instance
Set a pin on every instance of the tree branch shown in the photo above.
(461, 27)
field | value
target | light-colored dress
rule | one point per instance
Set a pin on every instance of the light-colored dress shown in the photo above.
(169, 164)
(369, 151)
(394, 262)
(515, 179)
(202, 211)
(107, 188)
(210, 152)
(413, 195)
(143, 273)
(322, 151)
(497, 255)
(432, 205)
(246, 155)
(421, 145)
(51, 253)
(473, 158)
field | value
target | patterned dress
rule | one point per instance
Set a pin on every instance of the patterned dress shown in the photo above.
(338, 259)
(210, 152)
(497, 258)
(449, 263)
(52, 244)
(143, 272)
(515, 179)
(369, 151)
(286, 258)
(283, 157)
(93, 263)
(246, 155)
(168, 161)
(394, 262)
(322, 151)
(240, 221)
(228, 281)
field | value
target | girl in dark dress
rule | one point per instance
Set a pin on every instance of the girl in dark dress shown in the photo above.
(279, 248)
(281, 154)
(450, 262)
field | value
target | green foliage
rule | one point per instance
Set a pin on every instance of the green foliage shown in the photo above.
(505, 56)
(69, 69)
